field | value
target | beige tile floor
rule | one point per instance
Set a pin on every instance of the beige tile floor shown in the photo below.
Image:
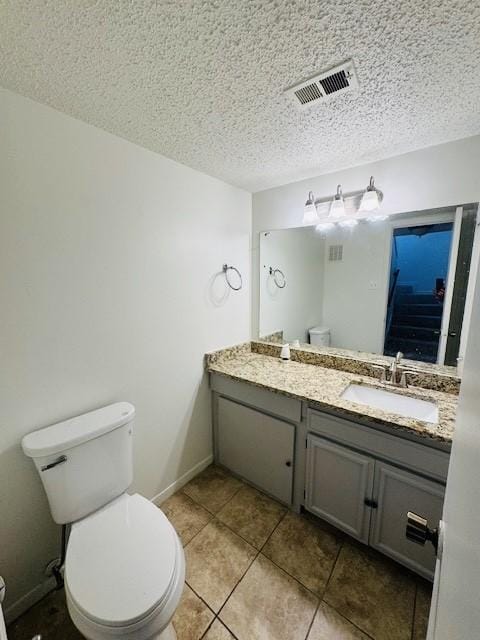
(256, 571)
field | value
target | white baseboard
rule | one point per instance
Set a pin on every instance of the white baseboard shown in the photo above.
(178, 484)
(40, 591)
(28, 600)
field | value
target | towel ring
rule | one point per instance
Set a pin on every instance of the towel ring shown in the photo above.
(278, 272)
(225, 269)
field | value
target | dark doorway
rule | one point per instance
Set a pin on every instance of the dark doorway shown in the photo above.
(418, 273)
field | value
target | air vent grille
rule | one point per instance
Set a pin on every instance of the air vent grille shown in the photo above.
(335, 82)
(324, 85)
(335, 252)
(308, 93)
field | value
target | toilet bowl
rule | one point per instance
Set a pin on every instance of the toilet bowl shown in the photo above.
(124, 563)
(124, 571)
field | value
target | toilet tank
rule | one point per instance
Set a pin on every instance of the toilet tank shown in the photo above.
(84, 462)
(320, 336)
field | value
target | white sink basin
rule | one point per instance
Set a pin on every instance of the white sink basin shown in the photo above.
(392, 402)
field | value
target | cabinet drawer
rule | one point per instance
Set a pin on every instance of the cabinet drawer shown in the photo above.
(257, 447)
(268, 401)
(418, 457)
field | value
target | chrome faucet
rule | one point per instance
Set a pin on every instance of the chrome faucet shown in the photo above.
(394, 367)
(394, 373)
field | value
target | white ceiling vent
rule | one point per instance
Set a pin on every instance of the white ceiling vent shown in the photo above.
(324, 85)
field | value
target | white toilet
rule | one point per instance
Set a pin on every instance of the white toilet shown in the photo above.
(124, 566)
(320, 336)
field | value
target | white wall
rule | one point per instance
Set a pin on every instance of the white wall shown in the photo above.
(355, 288)
(435, 177)
(299, 253)
(108, 255)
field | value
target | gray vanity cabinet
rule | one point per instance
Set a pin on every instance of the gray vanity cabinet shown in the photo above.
(361, 478)
(257, 447)
(338, 481)
(369, 499)
(397, 491)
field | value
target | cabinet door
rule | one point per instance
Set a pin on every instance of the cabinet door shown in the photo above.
(338, 482)
(257, 447)
(396, 492)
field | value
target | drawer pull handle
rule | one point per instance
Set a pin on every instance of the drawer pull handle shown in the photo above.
(418, 531)
(371, 503)
(288, 463)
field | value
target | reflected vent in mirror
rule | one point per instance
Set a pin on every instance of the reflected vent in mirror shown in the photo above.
(335, 252)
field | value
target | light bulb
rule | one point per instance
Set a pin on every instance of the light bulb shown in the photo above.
(370, 200)
(310, 215)
(337, 208)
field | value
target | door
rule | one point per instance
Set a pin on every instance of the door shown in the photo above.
(418, 273)
(397, 491)
(339, 486)
(455, 604)
(257, 447)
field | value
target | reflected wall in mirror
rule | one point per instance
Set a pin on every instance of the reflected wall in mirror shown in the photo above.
(400, 284)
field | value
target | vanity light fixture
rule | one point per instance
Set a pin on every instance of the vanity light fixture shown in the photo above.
(345, 208)
(371, 198)
(310, 215)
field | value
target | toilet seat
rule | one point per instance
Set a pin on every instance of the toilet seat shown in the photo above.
(124, 570)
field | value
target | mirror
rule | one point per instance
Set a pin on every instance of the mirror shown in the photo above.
(383, 286)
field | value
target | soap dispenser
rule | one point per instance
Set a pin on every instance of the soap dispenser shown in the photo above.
(285, 352)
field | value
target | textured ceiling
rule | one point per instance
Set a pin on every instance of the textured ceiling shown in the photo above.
(202, 81)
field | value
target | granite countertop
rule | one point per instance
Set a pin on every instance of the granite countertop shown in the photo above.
(322, 389)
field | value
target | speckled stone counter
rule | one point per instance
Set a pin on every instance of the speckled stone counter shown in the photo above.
(322, 388)
(421, 374)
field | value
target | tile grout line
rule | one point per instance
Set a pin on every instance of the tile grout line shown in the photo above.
(248, 541)
(223, 624)
(258, 552)
(213, 513)
(324, 590)
(340, 547)
(414, 611)
(290, 576)
(342, 615)
(215, 518)
(200, 598)
(239, 581)
(331, 606)
(313, 619)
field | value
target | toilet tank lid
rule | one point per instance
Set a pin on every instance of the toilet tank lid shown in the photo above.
(319, 330)
(70, 433)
